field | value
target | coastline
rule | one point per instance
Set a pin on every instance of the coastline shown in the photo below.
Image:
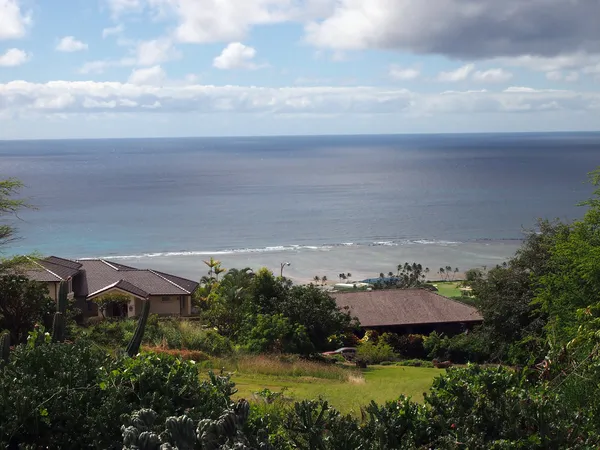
(361, 261)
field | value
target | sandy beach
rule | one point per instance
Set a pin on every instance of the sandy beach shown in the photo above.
(361, 261)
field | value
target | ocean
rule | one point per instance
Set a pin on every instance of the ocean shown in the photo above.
(326, 204)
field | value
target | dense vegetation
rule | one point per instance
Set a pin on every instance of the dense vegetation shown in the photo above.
(541, 324)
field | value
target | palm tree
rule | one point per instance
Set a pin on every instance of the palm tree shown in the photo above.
(212, 263)
(316, 279)
(448, 271)
(348, 275)
(455, 272)
(323, 280)
(381, 275)
(219, 270)
(391, 274)
(442, 271)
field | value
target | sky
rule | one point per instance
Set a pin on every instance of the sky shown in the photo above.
(150, 68)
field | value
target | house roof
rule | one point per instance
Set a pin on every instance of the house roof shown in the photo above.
(405, 307)
(96, 276)
(101, 275)
(52, 269)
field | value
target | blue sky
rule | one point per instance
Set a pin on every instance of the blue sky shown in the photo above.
(129, 68)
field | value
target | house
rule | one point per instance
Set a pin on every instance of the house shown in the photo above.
(408, 311)
(92, 278)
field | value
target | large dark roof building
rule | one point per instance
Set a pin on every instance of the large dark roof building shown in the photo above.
(89, 279)
(408, 310)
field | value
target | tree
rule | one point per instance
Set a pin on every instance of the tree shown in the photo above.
(107, 300)
(317, 279)
(573, 281)
(441, 272)
(348, 275)
(23, 303)
(324, 280)
(455, 272)
(10, 206)
(448, 272)
(505, 293)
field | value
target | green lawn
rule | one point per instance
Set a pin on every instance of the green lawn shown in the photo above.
(448, 288)
(380, 383)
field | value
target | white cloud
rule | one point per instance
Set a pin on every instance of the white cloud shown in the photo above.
(557, 75)
(492, 76)
(460, 74)
(66, 97)
(143, 53)
(462, 29)
(112, 31)
(118, 7)
(151, 76)
(236, 56)
(13, 21)
(13, 57)
(554, 75)
(100, 66)
(70, 44)
(202, 21)
(155, 51)
(403, 74)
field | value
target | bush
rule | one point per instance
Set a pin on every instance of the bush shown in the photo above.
(276, 334)
(171, 334)
(462, 348)
(71, 396)
(415, 363)
(375, 353)
(407, 346)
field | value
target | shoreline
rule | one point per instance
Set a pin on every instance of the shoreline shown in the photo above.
(361, 261)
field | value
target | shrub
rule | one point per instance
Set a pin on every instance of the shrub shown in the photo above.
(276, 334)
(375, 353)
(415, 363)
(499, 408)
(71, 396)
(462, 348)
(407, 346)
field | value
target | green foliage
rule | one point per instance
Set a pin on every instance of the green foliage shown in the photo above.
(104, 301)
(9, 205)
(59, 325)
(5, 347)
(499, 408)
(415, 363)
(136, 341)
(72, 396)
(462, 348)
(375, 353)
(276, 334)
(245, 306)
(23, 303)
(406, 346)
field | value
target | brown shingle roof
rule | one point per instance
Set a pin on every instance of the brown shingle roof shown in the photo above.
(405, 307)
(101, 274)
(52, 269)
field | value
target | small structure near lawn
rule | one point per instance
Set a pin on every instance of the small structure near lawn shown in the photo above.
(408, 311)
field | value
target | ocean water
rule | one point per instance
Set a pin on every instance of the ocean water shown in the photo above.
(326, 204)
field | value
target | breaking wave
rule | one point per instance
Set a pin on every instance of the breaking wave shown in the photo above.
(278, 249)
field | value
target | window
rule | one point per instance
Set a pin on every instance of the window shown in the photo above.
(166, 298)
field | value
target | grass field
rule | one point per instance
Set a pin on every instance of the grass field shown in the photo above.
(448, 288)
(379, 383)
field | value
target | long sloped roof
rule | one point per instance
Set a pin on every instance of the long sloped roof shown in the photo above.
(397, 307)
(101, 275)
(52, 269)
(97, 275)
